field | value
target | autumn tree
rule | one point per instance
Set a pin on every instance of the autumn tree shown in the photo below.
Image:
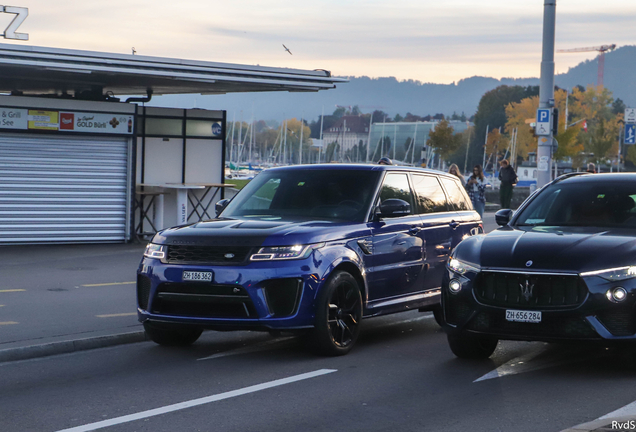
(443, 140)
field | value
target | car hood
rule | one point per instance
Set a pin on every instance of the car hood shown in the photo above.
(259, 232)
(551, 248)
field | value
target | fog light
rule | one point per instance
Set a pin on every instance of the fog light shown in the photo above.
(616, 295)
(454, 286)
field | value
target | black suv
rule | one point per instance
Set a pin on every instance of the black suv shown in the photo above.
(307, 248)
(562, 268)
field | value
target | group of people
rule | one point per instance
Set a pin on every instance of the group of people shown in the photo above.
(477, 184)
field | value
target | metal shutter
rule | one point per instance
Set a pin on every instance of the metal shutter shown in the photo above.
(63, 190)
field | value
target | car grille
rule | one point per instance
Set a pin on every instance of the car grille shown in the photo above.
(203, 300)
(218, 255)
(143, 291)
(530, 291)
(282, 296)
(618, 321)
(548, 327)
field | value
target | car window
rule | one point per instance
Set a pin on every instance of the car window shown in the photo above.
(456, 195)
(306, 193)
(429, 194)
(583, 204)
(396, 185)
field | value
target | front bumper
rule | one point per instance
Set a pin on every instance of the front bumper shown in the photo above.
(593, 318)
(260, 295)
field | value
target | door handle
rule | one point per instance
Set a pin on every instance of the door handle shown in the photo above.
(454, 224)
(414, 230)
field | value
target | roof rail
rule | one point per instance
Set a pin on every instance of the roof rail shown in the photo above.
(568, 175)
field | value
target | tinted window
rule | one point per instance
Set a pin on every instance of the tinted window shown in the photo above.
(456, 195)
(396, 186)
(429, 194)
(591, 204)
(306, 194)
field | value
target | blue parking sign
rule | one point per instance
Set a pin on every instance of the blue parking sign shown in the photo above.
(630, 134)
(544, 126)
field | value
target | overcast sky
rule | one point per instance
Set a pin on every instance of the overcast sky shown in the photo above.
(437, 41)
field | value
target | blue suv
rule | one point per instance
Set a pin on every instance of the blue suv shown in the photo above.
(311, 248)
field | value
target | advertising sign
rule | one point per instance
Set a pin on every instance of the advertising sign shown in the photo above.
(13, 118)
(96, 123)
(43, 120)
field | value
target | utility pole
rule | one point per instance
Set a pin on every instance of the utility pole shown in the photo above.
(302, 127)
(546, 90)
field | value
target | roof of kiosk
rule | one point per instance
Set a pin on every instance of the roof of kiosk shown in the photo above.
(34, 70)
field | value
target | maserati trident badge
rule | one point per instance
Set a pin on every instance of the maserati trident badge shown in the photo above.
(526, 290)
(529, 263)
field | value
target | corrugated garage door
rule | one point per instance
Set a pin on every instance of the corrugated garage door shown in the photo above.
(59, 190)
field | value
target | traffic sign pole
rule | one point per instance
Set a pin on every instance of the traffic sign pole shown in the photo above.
(546, 91)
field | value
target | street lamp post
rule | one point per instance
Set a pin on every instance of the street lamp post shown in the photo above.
(546, 90)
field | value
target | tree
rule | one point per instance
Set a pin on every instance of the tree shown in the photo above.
(602, 141)
(379, 116)
(443, 140)
(618, 107)
(293, 138)
(339, 112)
(398, 118)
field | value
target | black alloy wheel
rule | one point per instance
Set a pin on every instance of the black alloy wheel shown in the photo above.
(338, 315)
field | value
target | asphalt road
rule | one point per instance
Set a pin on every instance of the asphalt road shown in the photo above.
(400, 376)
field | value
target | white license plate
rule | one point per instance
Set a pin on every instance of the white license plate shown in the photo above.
(197, 276)
(523, 316)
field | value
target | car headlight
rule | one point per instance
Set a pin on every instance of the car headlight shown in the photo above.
(284, 252)
(614, 274)
(155, 251)
(461, 267)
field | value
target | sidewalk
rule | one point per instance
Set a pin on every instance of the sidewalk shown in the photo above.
(63, 298)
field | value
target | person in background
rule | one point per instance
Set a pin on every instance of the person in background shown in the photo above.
(476, 188)
(385, 161)
(591, 168)
(454, 170)
(508, 178)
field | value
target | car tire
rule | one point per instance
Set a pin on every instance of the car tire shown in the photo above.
(437, 314)
(338, 315)
(172, 335)
(472, 346)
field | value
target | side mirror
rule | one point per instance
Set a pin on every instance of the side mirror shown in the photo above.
(394, 207)
(220, 206)
(503, 216)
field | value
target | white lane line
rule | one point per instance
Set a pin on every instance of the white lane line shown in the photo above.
(12, 290)
(8, 322)
(109, 284)
(117, 315)
(196, 402)
(263, 346)
(627, 410)
(515, 366)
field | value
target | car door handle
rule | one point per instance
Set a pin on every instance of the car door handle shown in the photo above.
(454, 224)
(414, 230)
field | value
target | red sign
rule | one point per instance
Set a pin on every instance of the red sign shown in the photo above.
(67, 121)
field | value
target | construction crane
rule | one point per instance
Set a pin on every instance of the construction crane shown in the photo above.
(601, 57)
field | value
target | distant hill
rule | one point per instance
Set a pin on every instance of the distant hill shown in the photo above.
(393, 96)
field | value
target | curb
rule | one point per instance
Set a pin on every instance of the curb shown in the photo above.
(65, 347)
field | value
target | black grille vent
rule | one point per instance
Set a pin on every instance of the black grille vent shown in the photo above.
(548, 327)
(456, 311)
(530, 291)
(282, 296)
(619, 321)
(143, 291)
(218, 255)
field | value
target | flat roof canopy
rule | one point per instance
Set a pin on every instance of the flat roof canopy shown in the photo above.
(33, 70)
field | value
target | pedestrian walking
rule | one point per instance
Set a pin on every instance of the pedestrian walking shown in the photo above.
(508, 178)
(454, 170)
(476, 188)
(591, 168)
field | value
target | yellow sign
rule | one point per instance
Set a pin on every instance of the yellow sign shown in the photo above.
(44, 120)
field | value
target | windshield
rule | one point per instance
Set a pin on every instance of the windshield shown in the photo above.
(306, 194)
(584, 204)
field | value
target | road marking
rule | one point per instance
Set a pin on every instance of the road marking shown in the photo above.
(109, 284)
(1, 305)
(627, 410)
(12, 290)
(8, 322)
(263, 346)
(117, 315)
(196, 402)
(540, 358)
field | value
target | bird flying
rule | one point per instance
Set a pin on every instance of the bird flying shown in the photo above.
(287, 49)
